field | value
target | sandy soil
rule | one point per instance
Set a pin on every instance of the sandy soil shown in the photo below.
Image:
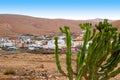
(27, 66)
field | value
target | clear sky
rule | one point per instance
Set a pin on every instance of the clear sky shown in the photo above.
(67, 9)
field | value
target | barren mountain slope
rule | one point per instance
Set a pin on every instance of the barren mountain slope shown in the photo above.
(13, 25)
(117, 24)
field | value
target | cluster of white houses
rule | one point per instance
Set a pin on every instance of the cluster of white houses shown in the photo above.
(32, 44)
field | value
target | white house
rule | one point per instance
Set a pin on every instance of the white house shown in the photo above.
(8, 44)
(50, 44)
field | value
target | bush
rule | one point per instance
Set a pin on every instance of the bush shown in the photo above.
(100, 60)
(9, 71)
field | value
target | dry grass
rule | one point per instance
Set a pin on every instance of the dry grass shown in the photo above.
(27, 66)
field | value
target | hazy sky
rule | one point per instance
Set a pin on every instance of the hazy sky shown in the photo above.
(67, 9)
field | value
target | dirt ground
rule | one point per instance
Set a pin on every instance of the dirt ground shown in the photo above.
(27, 66)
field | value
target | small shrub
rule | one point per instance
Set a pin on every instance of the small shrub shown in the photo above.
(9, 71)
(4, 48)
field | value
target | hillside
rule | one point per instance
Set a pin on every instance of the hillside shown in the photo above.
(13, 25)
(117, 24)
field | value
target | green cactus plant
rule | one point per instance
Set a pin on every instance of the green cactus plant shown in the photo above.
(100, 60)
